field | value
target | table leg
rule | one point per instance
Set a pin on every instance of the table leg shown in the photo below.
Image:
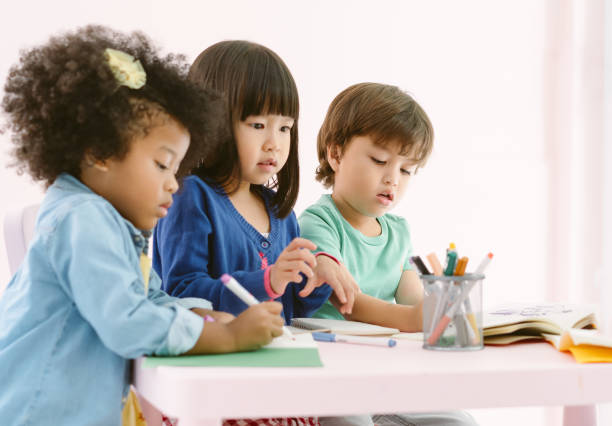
(580, 415)
(151, 414)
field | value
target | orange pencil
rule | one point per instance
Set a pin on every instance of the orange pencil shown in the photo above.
(461, 266)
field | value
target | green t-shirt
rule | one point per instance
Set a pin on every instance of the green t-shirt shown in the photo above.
(376, 263)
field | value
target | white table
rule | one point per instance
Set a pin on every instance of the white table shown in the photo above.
(366, 379)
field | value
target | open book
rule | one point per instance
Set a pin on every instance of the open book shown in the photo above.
(519, 321)
(584, 345)
(342, 327)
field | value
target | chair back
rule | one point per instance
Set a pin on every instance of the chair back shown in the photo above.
(18, 231)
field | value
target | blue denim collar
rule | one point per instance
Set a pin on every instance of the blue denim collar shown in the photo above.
(140, 237)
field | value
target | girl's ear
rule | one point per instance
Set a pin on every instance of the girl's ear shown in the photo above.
(91, 161)
(101, 165)
(334, 155)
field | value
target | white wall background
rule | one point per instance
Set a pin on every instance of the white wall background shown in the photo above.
(515, 90)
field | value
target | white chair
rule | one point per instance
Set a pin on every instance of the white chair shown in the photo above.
(18, 231)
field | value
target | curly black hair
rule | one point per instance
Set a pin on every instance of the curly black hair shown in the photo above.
(62, 101)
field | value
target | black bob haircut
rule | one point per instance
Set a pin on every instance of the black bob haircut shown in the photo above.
(254, 81)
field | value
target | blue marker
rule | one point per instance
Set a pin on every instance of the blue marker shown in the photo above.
(361, 340)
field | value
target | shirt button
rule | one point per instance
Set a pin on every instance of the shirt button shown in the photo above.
(265, 244)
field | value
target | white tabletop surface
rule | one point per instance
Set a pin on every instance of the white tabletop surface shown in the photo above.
(359, 379)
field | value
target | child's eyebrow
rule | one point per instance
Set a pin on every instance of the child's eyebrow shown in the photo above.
(169, 150)
(410, 160)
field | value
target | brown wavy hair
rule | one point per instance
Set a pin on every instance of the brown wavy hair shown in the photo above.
(254, 81)
(62, 102)
(381, 111)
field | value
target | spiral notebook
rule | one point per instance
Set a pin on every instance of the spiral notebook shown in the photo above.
(337, 326)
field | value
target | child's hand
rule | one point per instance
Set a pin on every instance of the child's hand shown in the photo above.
(219, 316)
(294, 259)
(257, 326)
(327, 271)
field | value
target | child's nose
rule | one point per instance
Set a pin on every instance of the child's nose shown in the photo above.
(172, 185)
(272, 142)
(391, 177)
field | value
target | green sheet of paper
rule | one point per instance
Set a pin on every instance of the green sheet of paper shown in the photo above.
(282, 352)
(265, 357)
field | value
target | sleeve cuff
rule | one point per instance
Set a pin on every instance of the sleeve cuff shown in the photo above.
(267, 285)
(322, 253)
(183, 333)
(194, 302)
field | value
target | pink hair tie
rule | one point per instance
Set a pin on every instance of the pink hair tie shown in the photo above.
(322, 253)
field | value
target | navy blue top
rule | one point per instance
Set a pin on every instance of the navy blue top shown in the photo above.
(204, 236)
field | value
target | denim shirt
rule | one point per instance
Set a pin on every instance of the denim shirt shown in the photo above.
(75, 313)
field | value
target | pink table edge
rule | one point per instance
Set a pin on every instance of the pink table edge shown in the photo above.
(370, 379)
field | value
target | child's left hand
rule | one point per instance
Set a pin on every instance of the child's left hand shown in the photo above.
(328, 271)
(219, 316)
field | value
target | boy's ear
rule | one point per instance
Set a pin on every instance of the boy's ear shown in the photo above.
(334, 154)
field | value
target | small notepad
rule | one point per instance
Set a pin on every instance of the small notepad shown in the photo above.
(337, 326)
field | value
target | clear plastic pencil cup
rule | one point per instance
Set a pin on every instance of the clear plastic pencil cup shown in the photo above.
(452, 312)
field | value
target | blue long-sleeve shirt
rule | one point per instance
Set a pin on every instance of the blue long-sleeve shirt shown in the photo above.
(204, 236)
(76, 311)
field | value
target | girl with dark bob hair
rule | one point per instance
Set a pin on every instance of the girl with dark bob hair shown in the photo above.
(106, 123)
(234, 214)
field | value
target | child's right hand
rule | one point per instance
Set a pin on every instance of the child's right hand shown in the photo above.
(294, 259)
(337, 276)
(252, 329)
(257, 326)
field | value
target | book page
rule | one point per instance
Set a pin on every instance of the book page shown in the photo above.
(528, 328)
(576, 337)
(557, 317)
(303, 340)
(507, 339)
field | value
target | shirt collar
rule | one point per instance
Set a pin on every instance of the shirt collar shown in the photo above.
(140, 237)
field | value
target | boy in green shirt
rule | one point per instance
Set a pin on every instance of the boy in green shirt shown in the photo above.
(373, 140)
(371, 143)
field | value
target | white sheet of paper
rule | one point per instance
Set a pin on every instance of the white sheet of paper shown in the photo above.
(301, 341)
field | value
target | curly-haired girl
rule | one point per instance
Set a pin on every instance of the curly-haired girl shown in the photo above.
(105, 122)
